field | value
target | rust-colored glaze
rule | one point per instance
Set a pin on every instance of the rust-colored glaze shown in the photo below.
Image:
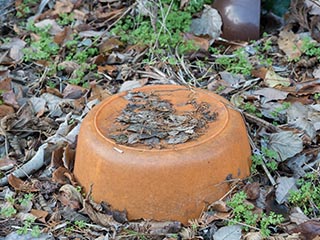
(241, 18)
(174, 183)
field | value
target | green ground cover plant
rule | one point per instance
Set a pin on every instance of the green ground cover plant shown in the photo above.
(237, 63)
(167, 32)
(269, 155)
(307, 197)
(242, 212)
(44, 48)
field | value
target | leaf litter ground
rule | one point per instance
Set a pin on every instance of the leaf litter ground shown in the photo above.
(273, 81)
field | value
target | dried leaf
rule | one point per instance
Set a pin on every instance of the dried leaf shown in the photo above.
(97, 217)
(201, 42)
(183, 3)
(315, 8)
(272, 79)
(296, 163)
(253, 236)
(15, 47)
(20, 185)
(73, 91)
(308, 230)
(109, 45)
(233, 80)
(40, 215)
(286, 144)
(287, 42)
(6, 163)
(63, 6)
(10, 98)
(5, 110)
(129, 85)
(208, 24)
(29, 167)
(271, 94)
(228, 233)
(62, 175)
(219, 206)
(63, 36)
(285, 185)
(38, 105)
(298, 217)
(69, 196)
(69, 66)
(252, 190)
(54, 27)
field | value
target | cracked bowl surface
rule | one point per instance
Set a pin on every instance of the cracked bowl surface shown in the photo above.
(173, 183)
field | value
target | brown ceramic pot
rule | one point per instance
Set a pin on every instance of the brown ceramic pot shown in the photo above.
(174, 183)
(240, 18)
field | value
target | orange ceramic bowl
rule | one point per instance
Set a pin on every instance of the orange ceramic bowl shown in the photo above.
(173, 183)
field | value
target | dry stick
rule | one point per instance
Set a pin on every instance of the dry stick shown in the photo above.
(110, 26)
(239, 223)
(5, 140)
(163, 26)
(186, 70)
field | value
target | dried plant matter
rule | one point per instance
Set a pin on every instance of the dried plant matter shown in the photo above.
(149, 120)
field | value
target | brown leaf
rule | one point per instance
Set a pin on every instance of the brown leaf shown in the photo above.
(5, 162)
(39, 214)
(308, 230)
(69, 66)
(97, 92)
(109, 45)
(5, 81)
(63, 6)
(110, 69)
(56, 158)
(10, 98)
(219, 206)
(288, 43)
(252, 190)
(5, 110)
(97, 217)
(68, 156)
(63, 176)
(201, 42)
(20, 185)
(73, 91)
(63, 36)
(260, 72)
(69, 196)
